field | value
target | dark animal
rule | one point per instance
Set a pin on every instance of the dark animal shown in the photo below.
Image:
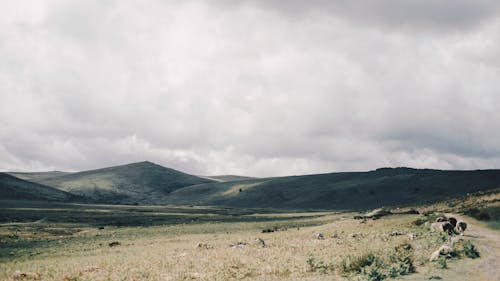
(441, 219)
(453, 221)
(447, 227)
(461, 227)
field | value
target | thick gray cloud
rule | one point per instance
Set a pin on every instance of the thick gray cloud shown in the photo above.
(258, 88)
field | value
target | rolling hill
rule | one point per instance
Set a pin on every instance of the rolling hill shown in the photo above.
(340, 191)
(141, 183)
(227, 178)
(12, 188)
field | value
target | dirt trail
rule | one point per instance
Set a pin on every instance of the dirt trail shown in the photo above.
(488, 242)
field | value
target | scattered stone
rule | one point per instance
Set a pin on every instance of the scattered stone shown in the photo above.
(114, 244)
(202, 246)
(455, 239)
(320, 236)
(19, 275)
(335, 235)
(443, 250)
(91, 268)
(411, 236)
(261, 242)
(239, 244)
(405, 211)
(377, 213)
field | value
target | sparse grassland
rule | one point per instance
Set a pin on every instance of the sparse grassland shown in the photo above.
(41, 241)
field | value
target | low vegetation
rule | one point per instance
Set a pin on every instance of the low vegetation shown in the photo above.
(47, 241)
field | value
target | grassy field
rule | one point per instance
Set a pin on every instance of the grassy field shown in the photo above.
(46, 241)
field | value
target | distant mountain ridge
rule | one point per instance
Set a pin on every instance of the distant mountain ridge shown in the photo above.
(141, 183)
(151, 184)
(13, 188)
(341, 191)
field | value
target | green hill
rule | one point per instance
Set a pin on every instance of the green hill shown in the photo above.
(38, 176)
(13, 188)
(340, 191)
(227, 178)
(142, 183)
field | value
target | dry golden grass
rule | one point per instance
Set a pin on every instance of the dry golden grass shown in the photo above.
(174, 253)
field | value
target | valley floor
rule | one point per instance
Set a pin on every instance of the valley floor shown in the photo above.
(231, 250)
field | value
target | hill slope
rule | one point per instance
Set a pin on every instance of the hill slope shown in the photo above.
(340, 191)
(37, 176)
(143, 182)
(13, 188)
(227, 178)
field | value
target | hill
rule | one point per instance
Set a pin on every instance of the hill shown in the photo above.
(227, 178)
(340, 191)
(13, 188)
(141, 183)
(38, 176)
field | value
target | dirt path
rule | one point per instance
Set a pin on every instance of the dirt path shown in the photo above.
(488, 241)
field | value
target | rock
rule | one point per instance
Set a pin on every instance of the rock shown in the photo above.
(455, 239)
(443, 250)
(261, 242)
(202, 245)
(114, 244)
(395, 233)
(377, 213)
(267, 230)
(320, 236)
(239, 244)
(91, 268)
(411, 236)
(19, 275)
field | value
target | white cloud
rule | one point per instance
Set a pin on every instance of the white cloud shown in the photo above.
(257, 89)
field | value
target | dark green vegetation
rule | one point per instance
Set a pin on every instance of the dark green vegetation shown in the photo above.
(489, 214)
(14, 189)
(123, 215)
(146, 183)
(138, 183)
(341, 191)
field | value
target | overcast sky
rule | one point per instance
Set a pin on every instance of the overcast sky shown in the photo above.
(260, 88)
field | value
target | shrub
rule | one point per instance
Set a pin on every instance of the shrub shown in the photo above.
(402, 260)
(419, 221)
(470, 250)
(319, 266)
(356, 264)
(441, 263)
(374, 273)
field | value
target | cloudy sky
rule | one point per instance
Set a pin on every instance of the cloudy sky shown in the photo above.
(262, 88)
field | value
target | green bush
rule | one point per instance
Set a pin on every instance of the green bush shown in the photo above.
(441, 263)
(352, 264)
(470, 250)
(402, 260)
(318, 266)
